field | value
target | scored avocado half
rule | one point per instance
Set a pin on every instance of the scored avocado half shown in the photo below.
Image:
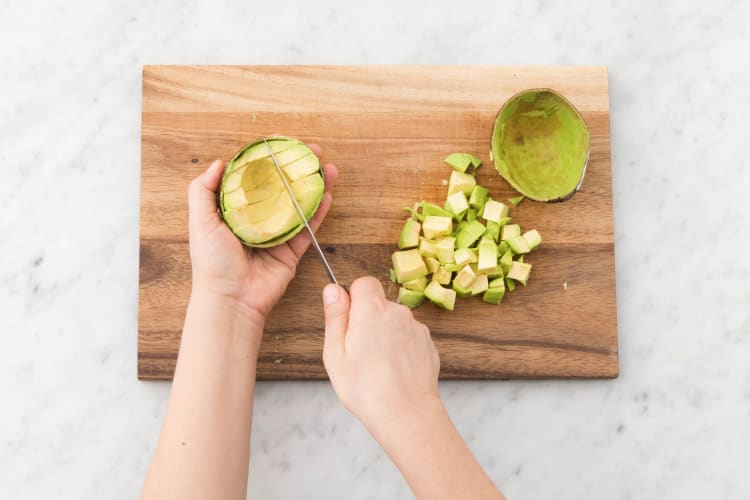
(540, 145)
(253, 200)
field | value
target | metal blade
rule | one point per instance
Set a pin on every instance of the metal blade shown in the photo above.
(301, 214)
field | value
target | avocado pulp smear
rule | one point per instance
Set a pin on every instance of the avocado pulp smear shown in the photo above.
(540, 145)
(253, 200)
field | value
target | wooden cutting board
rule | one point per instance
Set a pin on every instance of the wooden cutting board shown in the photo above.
(387, 129)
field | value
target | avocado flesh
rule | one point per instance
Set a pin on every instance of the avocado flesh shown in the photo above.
(409, 235)
(540, 145)
(459, 181)
(458, 161)
(519, 271)
(410, 298)
(443, 297)
(418, 285)
(469, 248)
(266, 219)
(494, 295)
(443, 276)
(257, 150)
(254, 202)
(408, 265)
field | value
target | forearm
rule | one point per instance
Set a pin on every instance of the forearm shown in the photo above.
(432, 455)
(203, 450)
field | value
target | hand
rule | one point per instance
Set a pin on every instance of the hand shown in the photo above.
(253, 278)
(381, 361)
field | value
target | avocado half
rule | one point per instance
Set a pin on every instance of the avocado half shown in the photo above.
(253, 200)
(540, 145)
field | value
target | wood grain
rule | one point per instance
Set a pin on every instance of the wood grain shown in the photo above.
(387, 129)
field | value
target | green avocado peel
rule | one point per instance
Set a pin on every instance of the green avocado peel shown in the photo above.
(540, 145)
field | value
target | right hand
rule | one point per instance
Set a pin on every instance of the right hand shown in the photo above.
(381, 361)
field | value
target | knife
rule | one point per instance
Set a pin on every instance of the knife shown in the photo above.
(301, 215)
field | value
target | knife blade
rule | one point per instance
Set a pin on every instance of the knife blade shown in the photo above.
(301, 214)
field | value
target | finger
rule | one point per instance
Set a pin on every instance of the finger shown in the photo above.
(331, 175)
(202, 192)
(301, 242)
(317, 149)
(336, 308)
(211, 178)
(366, 288)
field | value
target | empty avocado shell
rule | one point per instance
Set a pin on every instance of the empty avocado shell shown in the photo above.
(540, 145)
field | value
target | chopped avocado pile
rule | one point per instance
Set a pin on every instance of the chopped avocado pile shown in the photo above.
(253, 200)
(465, 248)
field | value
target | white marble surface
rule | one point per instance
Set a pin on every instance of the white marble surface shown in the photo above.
(75, 422)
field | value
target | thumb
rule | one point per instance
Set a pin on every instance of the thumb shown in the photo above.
(202, 194)
(336, 306)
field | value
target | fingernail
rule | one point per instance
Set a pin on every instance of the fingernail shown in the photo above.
(330, 295)
(214, 165)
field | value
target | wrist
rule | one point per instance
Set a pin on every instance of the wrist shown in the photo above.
(414, 412)
(229, 314)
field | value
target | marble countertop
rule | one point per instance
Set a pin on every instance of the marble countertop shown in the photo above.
(75, 422)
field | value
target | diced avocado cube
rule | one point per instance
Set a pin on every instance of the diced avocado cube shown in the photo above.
(464, 256)
(432, 209)
(445, 248)
(486, 238)
(408, 265)
(443, 297)
(478, 197)
(471, 214)
(502, 247)
(533, 238)
(432, 264)
(518, 245)
(442, 276)
(409, 234)
(410, 298)
(452, 268)
(427, 248)
(465, 277)
(504, 221)
(497, 273)
(497, 283)
(487, 262)
(461, 291)
(479, 285)
(510, 231)
(494, 211)
(457, 204)
(458, 161)
(459, 181)
(520, 272)
(475, 162)
(414, 212)
(493, 229)
(435, 226)
(494, 295)
(506, 261)
(516, 200)
(469, 233)
(417, 285)
(392, 274)
(510, 284)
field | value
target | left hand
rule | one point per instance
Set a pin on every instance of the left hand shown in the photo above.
(253, 278)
